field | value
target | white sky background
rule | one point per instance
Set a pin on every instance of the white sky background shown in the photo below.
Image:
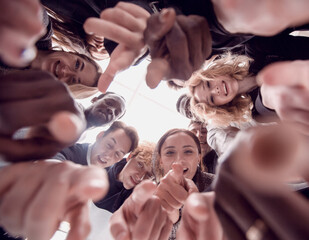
(151, 111)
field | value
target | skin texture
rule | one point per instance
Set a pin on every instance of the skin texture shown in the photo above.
(67, 67)
(64, 188)
(124, 24)
(110, 149)
(21, 31)
(178, 45)
(105, 109)
(218, 92)
(264, 17)
(59, 125)
(285, 89)
(129, 221)
(134, 172)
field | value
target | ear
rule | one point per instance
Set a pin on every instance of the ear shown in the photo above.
(99, 135)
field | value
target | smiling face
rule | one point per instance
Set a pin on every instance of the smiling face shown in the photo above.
(110, 149)
(180, 148)
(69, 68)
(217, 92)
(105, 109)
(134, 172)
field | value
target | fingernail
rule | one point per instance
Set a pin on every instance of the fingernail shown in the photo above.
(164, 15)
(28, 54)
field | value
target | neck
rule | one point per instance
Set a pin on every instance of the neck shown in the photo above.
(247, 84)
(120, 176)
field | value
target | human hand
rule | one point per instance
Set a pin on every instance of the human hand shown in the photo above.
(178, 45)
(174, 189)
(20, 27)
(268, 157)
(285, 88)
(199, 219)
(141, 216)
(37, 99)
(37, 196)
(124, 24)
(265, 18)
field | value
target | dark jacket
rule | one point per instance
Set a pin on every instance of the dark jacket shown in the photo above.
(117, 194)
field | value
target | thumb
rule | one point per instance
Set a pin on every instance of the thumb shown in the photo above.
(289, 73)
(90, 182)
(66, 127)
(158, 25)
(157, 70)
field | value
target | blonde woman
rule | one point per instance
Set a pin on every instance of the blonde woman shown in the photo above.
(225, 91)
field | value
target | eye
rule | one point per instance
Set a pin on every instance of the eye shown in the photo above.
(77, 64)
(140, 164)
(188, 151)
(109, 146)
(212, 100)
(169, 153)
(118, 155)
(208, 84)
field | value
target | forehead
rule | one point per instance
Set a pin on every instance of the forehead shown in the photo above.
(113, 98)
(178, 140)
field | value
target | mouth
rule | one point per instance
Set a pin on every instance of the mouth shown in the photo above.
(56, 68)
(102, 160)
(133, 181)
(185, 170)
(225, 89)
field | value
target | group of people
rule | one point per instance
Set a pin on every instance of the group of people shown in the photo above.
(238, 171)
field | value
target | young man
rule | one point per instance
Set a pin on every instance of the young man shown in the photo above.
(123, 176)
(110, 147)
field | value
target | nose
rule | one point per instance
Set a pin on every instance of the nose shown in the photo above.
(66, 71)
(111, 111)
(215, 90)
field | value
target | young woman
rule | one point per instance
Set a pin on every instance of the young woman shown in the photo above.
(225, 91)
(178, 150)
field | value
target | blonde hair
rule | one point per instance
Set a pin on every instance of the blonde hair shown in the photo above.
(239, 109)
(80, 91)
(144, 152)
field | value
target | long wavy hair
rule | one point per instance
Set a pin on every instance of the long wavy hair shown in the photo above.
(72, 36)
(239, 109)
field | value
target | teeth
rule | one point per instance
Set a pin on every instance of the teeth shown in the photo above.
(224, 87)
(185, 169)
(57, 69)
(102, 160)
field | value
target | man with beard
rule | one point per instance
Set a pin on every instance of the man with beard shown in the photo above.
(106, 109)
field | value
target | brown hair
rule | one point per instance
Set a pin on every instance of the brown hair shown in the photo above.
(72, 36)
(129, 131)
(158, 171)
(239, 109)
(144, 151)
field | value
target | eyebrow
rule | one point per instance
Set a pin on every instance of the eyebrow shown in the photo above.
(187, 146)
(169, 147)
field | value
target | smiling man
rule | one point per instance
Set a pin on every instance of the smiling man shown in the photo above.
(105, 109)
(123, 176)
(110, 147)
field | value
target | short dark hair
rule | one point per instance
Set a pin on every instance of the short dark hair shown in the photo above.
(129, 131)
(183, 106)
